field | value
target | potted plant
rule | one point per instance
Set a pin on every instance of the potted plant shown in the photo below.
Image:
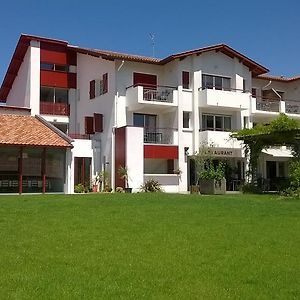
(123, 173)
(211, 176)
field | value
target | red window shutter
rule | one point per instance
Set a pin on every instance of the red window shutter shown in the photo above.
(185, 79)
(146, 80)
(105, 83)
(92, 89)
(98, 122)
(89, 125)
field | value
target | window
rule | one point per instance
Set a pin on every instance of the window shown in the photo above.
(216, 122)
(216, 82)
(254, 93)
(244, 85)
(54, 67)
(99, 87)
(89, 125)
(143, 120)
(186, 119)
(54, 95)
(185, 80)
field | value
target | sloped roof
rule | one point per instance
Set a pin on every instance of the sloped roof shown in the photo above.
(24, 42)
(278, 78)
(20, 130)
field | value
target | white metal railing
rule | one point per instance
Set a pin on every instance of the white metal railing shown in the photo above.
(292, 107)
(159, 135)
(158, 93)
(267, 105)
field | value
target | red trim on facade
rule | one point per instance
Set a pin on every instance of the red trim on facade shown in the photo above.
(56, 57)
(120, 154)
(58, 79)
(161, 151)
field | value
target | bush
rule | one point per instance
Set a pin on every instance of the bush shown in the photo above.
(294, 172)
(151, 186)
(80, 188)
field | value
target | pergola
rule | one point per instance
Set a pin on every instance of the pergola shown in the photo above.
(32, 155)
(283, 131)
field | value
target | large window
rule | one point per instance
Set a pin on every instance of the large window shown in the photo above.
(143, 120)
(215, 82)
(216, 122)
(54, 95)
(54, 67)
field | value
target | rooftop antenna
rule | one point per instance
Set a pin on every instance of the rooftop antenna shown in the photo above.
(152, 37)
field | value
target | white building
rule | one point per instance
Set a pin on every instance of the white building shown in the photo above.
(149, 114)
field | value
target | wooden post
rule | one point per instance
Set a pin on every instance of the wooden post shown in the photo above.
(20, 160)
(44, 170)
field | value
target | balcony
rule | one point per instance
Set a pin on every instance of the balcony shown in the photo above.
(166, 136)
(232, 99)
(51, 108)
(155, 98)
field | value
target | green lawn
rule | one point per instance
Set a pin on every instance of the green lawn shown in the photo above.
(149, 246)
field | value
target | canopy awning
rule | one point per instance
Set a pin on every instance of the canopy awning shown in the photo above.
(278, 152)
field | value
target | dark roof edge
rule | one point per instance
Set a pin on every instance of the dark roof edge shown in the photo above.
(56, 130)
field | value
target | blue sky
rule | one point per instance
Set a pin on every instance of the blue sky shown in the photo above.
(266, 31)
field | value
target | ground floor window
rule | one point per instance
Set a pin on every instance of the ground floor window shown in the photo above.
(31, 170)
(160, 166)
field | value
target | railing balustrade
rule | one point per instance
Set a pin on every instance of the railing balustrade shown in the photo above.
(51, 108)
(292, 107)
(159, 135)
(267, 105)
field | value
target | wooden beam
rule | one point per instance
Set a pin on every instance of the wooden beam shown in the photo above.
(20, 167)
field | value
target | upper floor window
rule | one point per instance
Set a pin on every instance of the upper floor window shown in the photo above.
(216, 122)
(55, 95)
(215, 82)
(99, 87)
(185, 80)
(54, 67)
(186, 119)
(144, 120)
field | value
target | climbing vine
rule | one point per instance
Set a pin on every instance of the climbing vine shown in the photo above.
(283, 131)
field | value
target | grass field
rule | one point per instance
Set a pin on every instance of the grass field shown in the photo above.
(149, 246)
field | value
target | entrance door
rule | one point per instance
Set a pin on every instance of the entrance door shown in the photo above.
(271, 169)
(271, 174)
(82, 171)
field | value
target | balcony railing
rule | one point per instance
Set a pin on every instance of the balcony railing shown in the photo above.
(265, 104)
(79, 136)
(51, 108)
(219, 88)
(159, 135)
(292, 107)
(158, 93)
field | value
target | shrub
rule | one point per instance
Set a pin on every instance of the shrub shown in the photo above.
(294, 172)
(80, 188)
(151, 186)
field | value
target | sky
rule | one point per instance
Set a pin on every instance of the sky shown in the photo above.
(265, 31)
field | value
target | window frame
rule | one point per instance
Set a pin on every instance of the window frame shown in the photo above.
(213, 85)
(204, 126)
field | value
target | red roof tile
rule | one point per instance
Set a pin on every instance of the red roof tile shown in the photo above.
(278, 78)
(29, 131)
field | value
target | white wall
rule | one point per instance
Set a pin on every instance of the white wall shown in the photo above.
(91, 68)
(135, 156)
(25, 91)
